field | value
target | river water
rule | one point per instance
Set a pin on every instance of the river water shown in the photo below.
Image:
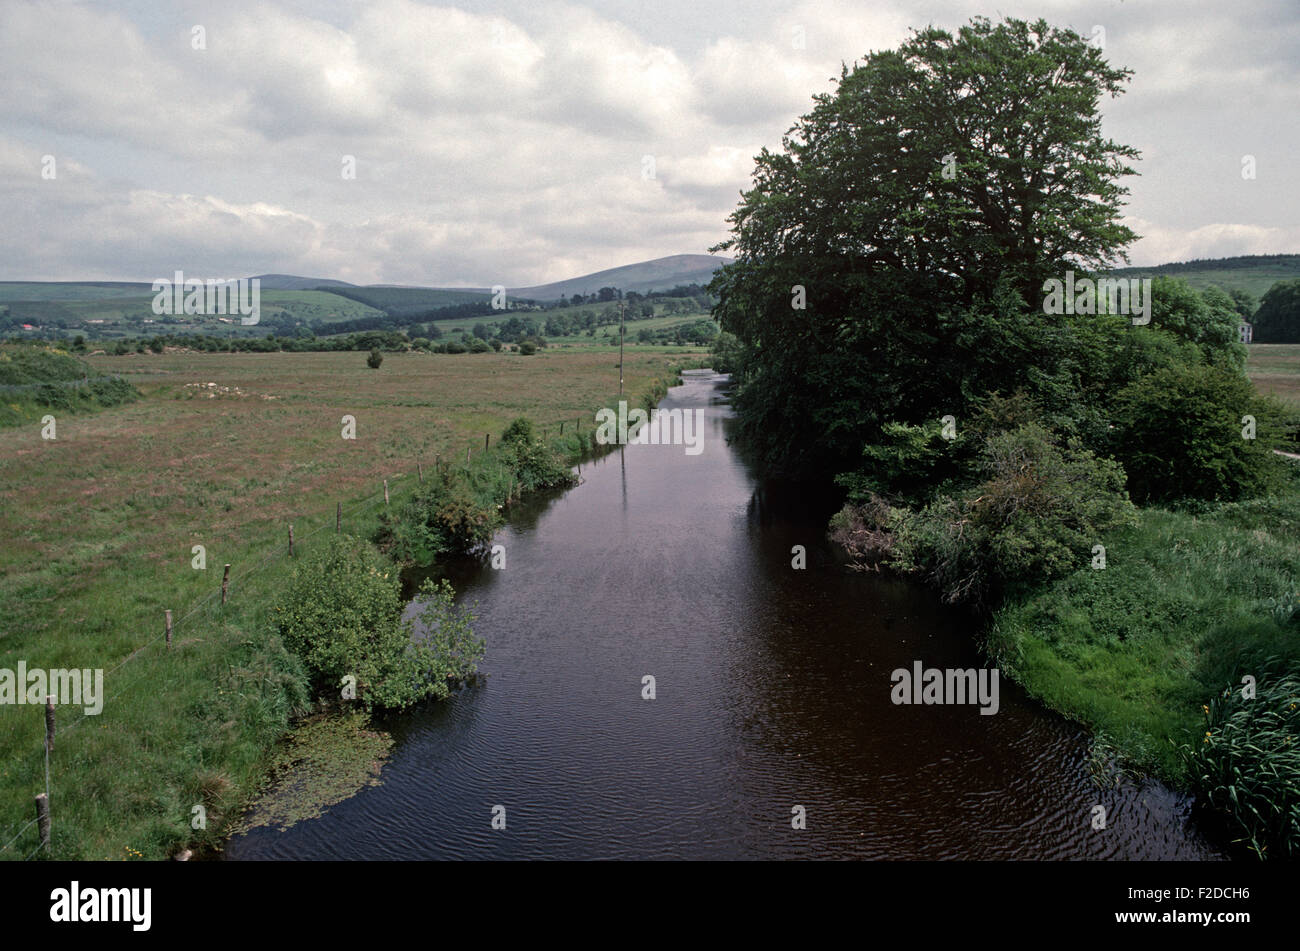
(772, 691)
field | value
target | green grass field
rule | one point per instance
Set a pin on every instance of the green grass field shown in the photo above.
(1253, 274)
(1275, 368)
(133, 314)
(224, 451)
(68, 291)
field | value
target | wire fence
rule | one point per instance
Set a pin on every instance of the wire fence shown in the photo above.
(356, 509)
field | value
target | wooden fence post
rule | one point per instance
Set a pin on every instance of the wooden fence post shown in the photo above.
(338, 519)
(168, 629)
(49, 724)
(419, 472)
(291, 539)
(385, 493)
(225, 584)
(43, 818)
(487, 441)
(468, 451)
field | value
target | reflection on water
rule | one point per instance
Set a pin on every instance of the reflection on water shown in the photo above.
(772, 691)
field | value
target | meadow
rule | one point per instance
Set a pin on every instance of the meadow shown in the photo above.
(223, 451)
(1274, 368)
(1252, 273)
(131, 314)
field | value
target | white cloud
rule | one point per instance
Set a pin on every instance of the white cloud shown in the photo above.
(506, 147)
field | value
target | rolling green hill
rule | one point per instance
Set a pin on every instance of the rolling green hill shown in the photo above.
(133, 314)
(408, 301)
(661, 274)
(1255, 273)
(68, 290)
(115, 309)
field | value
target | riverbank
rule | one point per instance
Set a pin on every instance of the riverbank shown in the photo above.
(772, 687)
(127, 493)
(1168, 632)
(1143, 652)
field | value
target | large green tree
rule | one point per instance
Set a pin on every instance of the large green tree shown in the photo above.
(1278, 317)
(920, 207)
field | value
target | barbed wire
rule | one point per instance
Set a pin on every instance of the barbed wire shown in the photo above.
(17, 835)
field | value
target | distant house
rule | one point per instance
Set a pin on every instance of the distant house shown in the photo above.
(28, 327)
(1246, 333)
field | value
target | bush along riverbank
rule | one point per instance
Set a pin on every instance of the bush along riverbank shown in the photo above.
(1169, 630)
(463, 504)
(337, 619)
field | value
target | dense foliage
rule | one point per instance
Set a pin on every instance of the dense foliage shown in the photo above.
(1035, 516)
(1278, 317)
(36, 378)
(1185, 432)
(891, 261)
(459, 509)
(342, 614)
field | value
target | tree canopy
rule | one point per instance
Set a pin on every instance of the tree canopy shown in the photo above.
(1278, 317)
(890, 260)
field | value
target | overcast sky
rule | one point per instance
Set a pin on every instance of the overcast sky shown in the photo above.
(504, 142)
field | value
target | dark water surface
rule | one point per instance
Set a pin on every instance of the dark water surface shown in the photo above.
(773, 690)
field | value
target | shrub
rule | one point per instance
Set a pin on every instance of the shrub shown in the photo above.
(528, 348)
(1035, 517)
(445, 516)
(342, 614)
(907, 463)
(533, 463)
(374, 360)
(866, 531)
(1179, 436)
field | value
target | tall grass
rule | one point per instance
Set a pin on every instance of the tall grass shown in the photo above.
(1187, 605)
(1247, 765)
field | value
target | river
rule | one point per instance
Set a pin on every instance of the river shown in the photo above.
(772, 691)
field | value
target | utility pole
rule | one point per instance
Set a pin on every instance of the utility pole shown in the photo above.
(621, 305)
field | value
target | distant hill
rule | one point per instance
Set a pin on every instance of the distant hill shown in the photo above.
(290, 282)
(69, 290)
(661, 274)
(409, 301)
(1255, 273)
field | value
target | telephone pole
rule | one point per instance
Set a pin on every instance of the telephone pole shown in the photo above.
(621, 304)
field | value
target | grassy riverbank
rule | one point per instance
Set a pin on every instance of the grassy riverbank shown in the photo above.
(1151, 652)
(1169, 628)
(223, 451)
(1186, 606)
